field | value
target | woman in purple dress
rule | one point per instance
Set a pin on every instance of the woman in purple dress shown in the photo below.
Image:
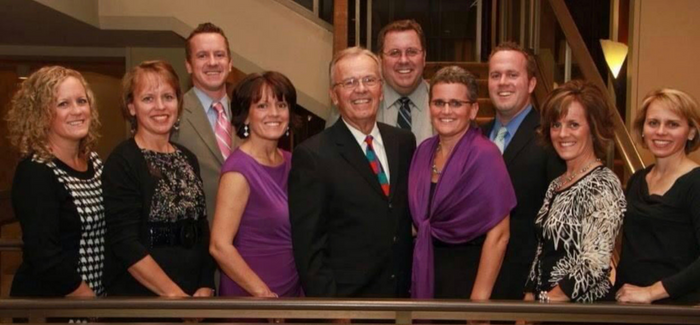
(251, 236)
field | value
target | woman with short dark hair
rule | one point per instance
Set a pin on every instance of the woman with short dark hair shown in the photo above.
(583, 208)
(251, 234)
(460, 197)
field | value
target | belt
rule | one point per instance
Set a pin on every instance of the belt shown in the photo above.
(183, 233)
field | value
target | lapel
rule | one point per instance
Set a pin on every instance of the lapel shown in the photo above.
(525, 133)
(194, 114)
(486, 129)
(351, 151)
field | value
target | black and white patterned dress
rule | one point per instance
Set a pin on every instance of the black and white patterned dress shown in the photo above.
(62, 217)
(577, 228)
(87, 197)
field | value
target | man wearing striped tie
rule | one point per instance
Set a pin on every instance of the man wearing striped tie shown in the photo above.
(205, 126)
(401, 47)
(348, 204)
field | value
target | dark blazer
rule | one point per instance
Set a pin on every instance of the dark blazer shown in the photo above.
(532, 166)
(349, 239)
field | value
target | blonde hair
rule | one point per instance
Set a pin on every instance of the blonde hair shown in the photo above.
(678, 102)
(32, 111)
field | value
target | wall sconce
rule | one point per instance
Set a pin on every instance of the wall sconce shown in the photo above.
(22, 71)
(615, 54)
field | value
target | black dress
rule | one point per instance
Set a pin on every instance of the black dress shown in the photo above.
(155, 206)
(61, 214)
(661, 237)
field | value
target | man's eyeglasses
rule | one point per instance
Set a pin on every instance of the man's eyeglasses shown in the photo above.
(452, 103)
(352, 83)
(410, 52)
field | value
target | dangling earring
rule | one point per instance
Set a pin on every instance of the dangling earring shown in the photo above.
(287, 133)
(176, 126)
(245, 131)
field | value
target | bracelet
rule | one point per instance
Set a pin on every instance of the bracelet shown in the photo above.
(543, 296)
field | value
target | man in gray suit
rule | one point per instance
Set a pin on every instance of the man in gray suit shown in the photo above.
(205, 126)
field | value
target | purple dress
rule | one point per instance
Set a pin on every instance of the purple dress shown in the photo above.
(264, 237)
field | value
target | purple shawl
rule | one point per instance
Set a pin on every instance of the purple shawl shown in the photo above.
(473, 194)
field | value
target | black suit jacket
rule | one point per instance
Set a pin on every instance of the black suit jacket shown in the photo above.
(531, 166)
(349, 239)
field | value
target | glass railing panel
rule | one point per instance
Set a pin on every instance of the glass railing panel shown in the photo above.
(557, 28)
(449, 26)
(320, 8)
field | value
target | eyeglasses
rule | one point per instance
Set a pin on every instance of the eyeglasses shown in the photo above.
(352, 83)
(410, 52)
(452, 103)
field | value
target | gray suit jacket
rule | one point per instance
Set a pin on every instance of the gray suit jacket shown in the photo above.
(197, 135)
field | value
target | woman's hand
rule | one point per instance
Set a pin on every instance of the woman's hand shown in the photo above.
(557, 295)
(264, 292)
(203, 292)
(82, 291)
(641, 295)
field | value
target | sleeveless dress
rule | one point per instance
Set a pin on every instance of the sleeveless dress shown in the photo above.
(264, 237)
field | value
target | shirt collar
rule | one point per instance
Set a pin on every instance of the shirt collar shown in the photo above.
(360, 137)
(207, 101)
(419, 95)
(514, 123)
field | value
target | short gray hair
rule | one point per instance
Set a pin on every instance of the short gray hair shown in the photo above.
(454, 74)
(352, 52)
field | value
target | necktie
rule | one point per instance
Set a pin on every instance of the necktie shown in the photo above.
(376, 165)
(222, 130)
(500, 140)
(404, 118)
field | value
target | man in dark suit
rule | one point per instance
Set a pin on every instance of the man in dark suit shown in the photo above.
(209, 63)
(531, 166)
(351, 228)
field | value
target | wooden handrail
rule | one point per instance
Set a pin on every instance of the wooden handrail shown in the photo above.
(10, 245)
(623, 141)
(400, 311)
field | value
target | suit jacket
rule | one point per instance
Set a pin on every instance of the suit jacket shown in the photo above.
(531, 167)
(196, 134)
(349, 239)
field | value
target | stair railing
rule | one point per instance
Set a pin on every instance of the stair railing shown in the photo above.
(561, 62)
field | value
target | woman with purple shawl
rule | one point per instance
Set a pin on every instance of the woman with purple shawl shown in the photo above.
(460, 197)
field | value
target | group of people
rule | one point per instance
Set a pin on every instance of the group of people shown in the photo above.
(403, 194)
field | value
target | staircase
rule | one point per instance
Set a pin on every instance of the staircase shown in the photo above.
(253, 28)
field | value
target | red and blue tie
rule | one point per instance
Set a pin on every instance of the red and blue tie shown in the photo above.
(376, 165)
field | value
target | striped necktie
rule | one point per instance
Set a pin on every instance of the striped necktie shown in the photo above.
(376, 165)
(222, 130)
(404, 119)
(500, 139)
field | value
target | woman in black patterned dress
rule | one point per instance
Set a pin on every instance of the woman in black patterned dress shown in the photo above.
(157, 229)
(583, 208)
(56, 192)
